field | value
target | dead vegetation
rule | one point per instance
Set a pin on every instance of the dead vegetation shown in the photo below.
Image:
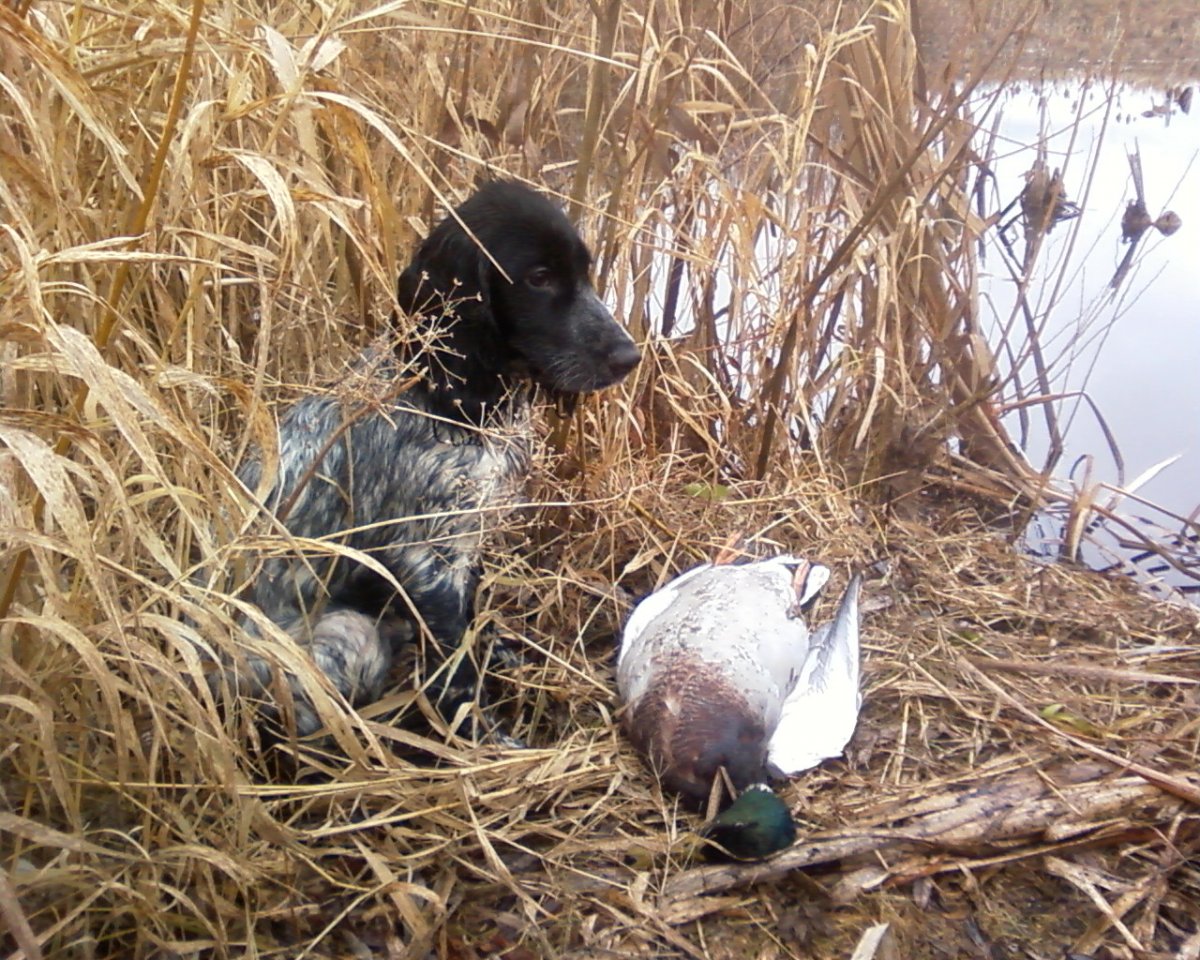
(203, 210)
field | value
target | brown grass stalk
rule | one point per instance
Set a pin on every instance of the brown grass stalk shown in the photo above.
(139, 215)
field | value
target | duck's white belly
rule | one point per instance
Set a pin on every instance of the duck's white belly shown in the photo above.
(738, 622)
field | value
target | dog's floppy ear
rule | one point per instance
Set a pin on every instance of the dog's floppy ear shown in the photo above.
(449, 274)
(447, 290)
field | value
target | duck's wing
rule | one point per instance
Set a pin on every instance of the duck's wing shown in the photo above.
(819, 715)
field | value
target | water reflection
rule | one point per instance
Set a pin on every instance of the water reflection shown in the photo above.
(1134, 351)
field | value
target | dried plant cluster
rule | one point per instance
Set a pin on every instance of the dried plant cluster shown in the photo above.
(204, 209)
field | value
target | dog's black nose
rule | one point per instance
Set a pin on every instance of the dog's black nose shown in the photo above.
(623, 358)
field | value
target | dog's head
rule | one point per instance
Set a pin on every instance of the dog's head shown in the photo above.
(513, 298)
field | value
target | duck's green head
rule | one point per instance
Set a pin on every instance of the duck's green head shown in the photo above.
(756, 825)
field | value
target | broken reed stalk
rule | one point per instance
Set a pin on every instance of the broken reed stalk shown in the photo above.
(1022, 816)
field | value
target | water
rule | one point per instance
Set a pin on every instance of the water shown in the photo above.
(1136, 354)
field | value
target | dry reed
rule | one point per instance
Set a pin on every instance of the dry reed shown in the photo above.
(203, 211)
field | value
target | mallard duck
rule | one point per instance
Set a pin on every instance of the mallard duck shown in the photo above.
(718, 670)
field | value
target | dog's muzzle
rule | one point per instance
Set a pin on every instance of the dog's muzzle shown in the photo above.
(601, 352)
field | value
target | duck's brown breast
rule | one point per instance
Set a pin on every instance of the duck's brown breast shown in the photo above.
(690, 722)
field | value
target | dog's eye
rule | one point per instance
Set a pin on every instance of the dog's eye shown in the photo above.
(540, 278)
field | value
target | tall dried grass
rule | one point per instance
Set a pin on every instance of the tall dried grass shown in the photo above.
(203, 211)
